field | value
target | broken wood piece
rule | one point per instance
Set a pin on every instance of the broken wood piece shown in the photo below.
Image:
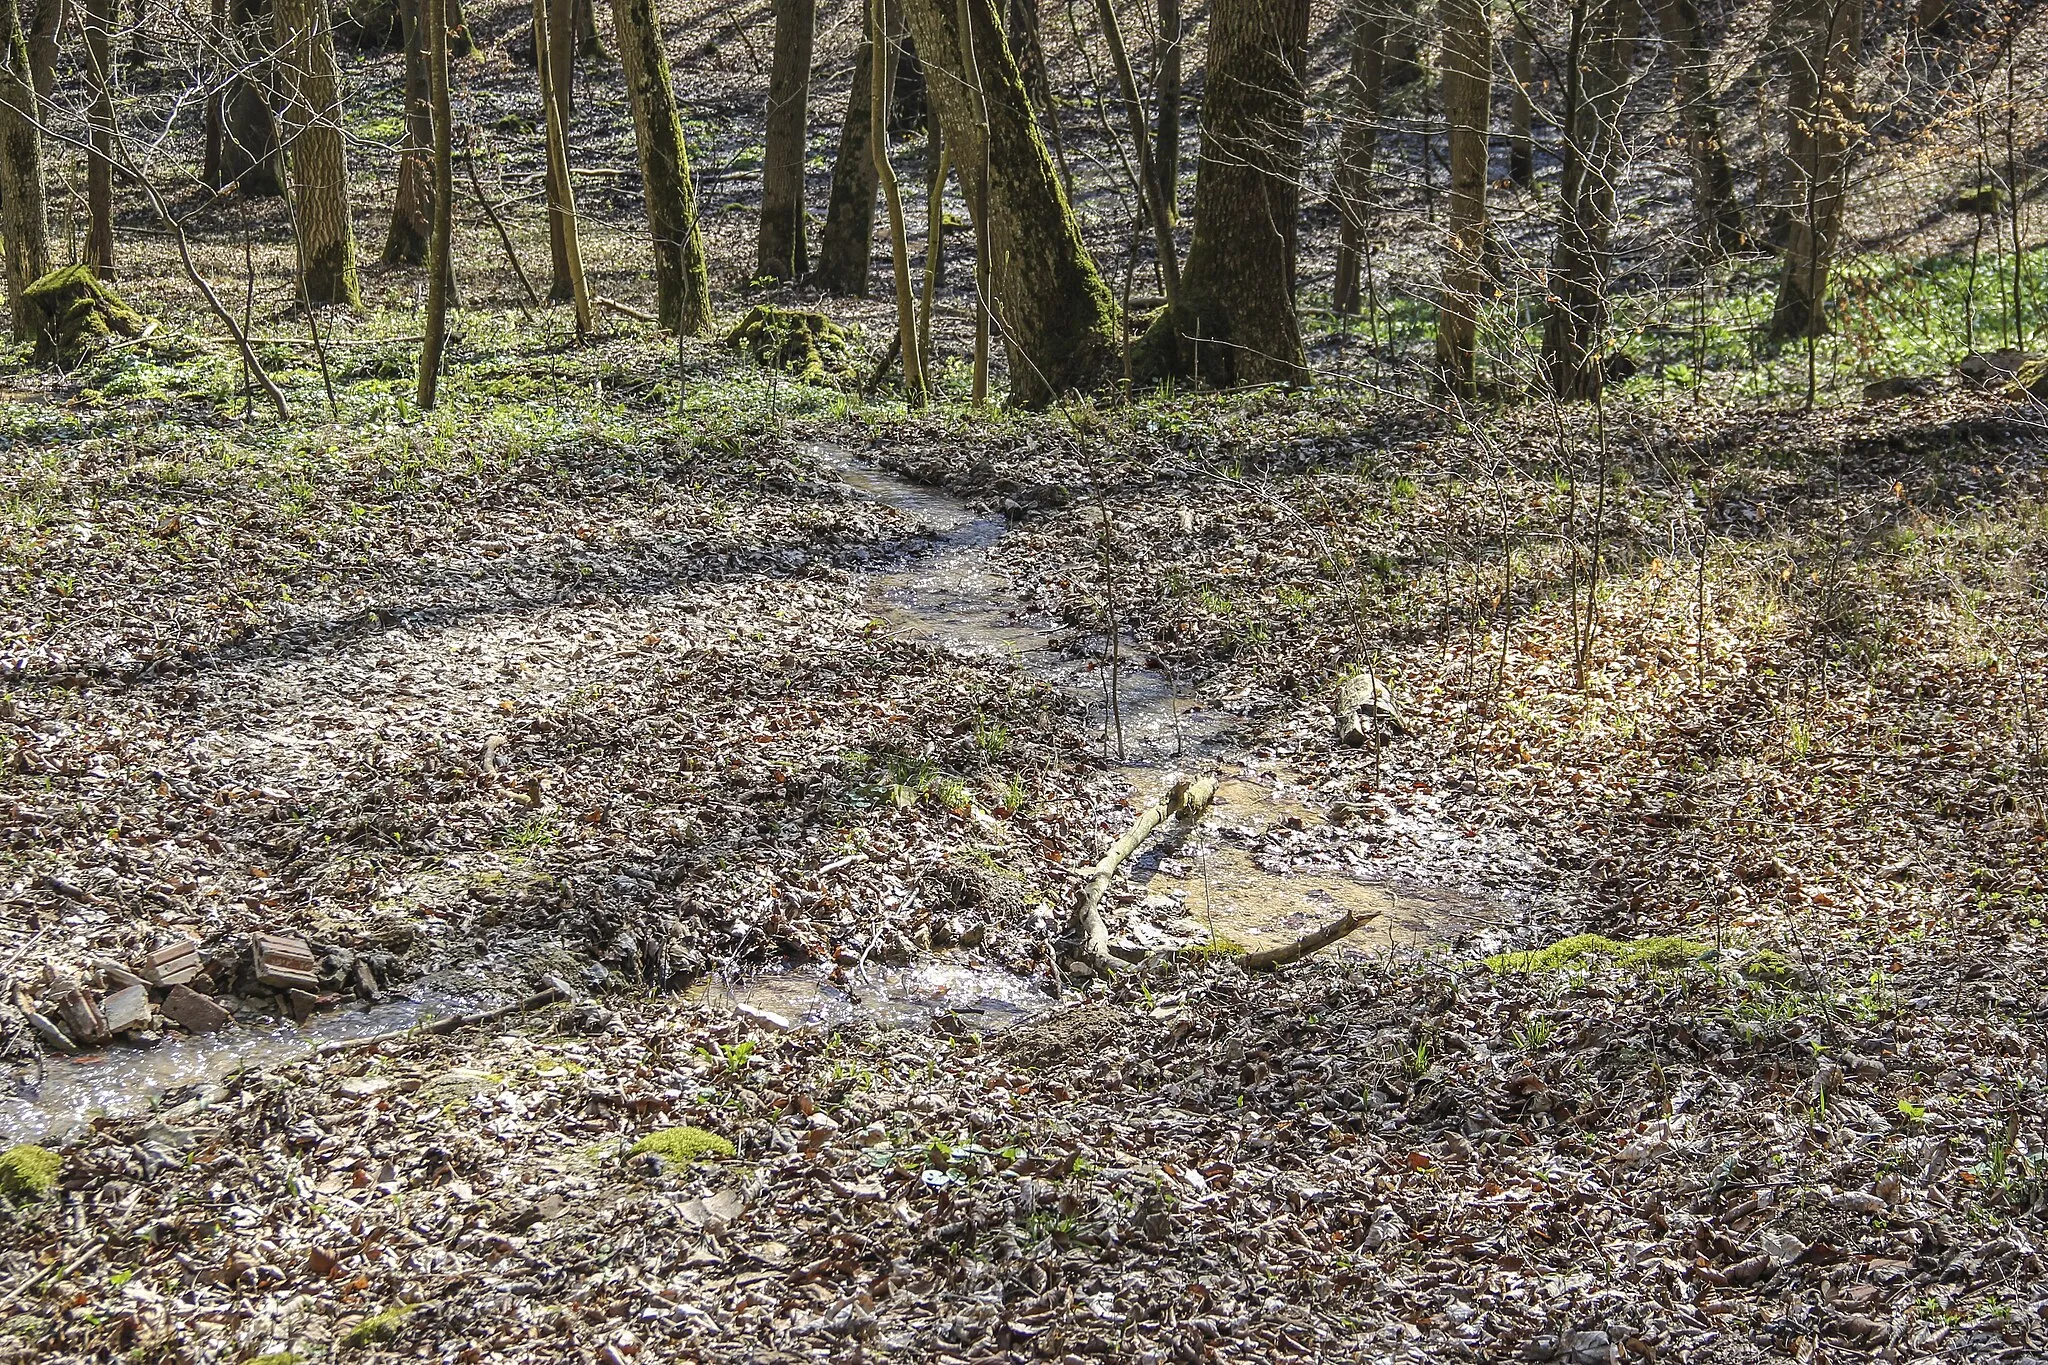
(45, 1028)
(555, 990)
(1187, 798)
(1366, 711)
(190, 1010)
(284, 963)
(126, 1009)
(623, 310)
(1268, 958)
(171, 965)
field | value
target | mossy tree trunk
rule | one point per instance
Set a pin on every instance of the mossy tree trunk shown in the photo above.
(682, 285)
(24, 224)
(554, 46)
(98, 31)
(440, 257)
(412, 208)
(784, 249)
(1823, 50)
(1468, 89)
(1057, 317)
(1235, 320)
(1600, 46)
(319, 161)
(1358, 145)
(1713, 176)
(848, 240)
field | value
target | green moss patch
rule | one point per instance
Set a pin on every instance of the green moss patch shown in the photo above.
(808, 345)
(1587, 948)
(1773, 968)
(69, 310)
(28, 1172)
(681, 1146)
(375, 1331)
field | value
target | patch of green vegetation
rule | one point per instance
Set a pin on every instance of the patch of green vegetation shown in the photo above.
(1773, 968)
(276, 1358)
(28, 1172)
(681, 1146)
(808, 345)
(375, 1331)
(1585, 948)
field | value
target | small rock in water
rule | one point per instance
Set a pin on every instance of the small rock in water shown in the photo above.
(126, 1009)
(764, 1018)
(191, 1010)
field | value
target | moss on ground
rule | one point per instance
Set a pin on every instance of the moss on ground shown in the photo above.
(28, 1172)
(1640, 952)
(1773, 968)
(381, 1328)
(681, 1146)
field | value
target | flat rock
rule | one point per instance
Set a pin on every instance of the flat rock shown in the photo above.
(126, 1009)
(189, 1009)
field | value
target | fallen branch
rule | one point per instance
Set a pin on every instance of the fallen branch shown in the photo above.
(556, 989)
(1187, 799)
(623, 310)
(1268, 958)
(53, 1271)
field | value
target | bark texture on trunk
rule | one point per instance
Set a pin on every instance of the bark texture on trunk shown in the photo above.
(1823, 50)
(847, 242)
(1235, 320)
(682, 285)
(1602, 43)
(24, 223)
(1713, 176)
(880, 47)
(1521, 108)
(249, 157)
(45, 30)
(554, 46)
(412, 208)
(784, 251)
(1056, 314)
(440, 260)
(312, 121)
(1357, 146)
(1166, 130)
(1468, 89)
(98, 31)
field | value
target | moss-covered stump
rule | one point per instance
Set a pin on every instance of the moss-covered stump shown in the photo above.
(70, 310)
(808, 345)
(28, 1172)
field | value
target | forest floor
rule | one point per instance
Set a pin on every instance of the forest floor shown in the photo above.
(635, 666)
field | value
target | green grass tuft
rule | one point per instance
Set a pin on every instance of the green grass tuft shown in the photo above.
(1640, 952)
(28, 1172)
(375, 1331)
(681, 1146)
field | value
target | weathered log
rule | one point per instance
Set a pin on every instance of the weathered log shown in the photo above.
(1187, 798)
(1268, 958)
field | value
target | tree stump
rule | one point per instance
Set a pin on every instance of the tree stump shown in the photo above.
(808, 345)
(69, 310)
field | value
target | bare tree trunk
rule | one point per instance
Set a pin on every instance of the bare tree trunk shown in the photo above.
(440, 259)
(98, 26)
(1144, 161)
(1166, 132)
(554, 46)
(1235, 321)
(1713, 177)
(682, 284)
(1057, 316)
(44, 33)
(848, 239)
(1468, 88)
(1521, 109)
(312, 120)
(249, 153)
(879, 87)
(215, 115)
(589, 40)
(23, 222)
(784, 252)
(412, 208)
(1824, 49)
(1357, 147)
(556, 53)
(1602, 42)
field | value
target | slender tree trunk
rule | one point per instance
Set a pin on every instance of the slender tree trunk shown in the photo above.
(44, 33)
(312, 120)
(1521, 109)
(215, 117)
(1057, 316)
(848, 239)
(250, 158)
(440, 242)
(682, 284)
(23, 222)
(1468, 88)
(879, 87)
(1713, 177)
(555, 54)
(1601, 46)
(1144, 162)
(1235, 320)
(554, 45)
(1824, 51)
(941, 157)
(589, 39)
(98, 26)
(412, 208)
(1166, 132)
(1358, 145)
(784, 252)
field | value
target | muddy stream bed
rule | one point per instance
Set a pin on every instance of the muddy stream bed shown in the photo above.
(1196, 884)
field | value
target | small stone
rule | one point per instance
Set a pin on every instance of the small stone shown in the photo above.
(190, 1010)
(1591, 1348)
(363, 1087)
(174, 964)
(283, 962)
(302, 1003)
(126, 1009)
